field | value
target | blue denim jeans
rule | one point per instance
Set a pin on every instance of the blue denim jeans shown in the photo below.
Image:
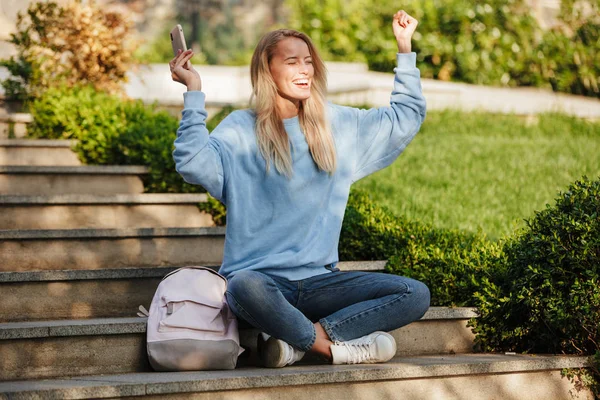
(348, 305)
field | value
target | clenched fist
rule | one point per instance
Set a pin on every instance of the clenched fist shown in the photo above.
(404, 26)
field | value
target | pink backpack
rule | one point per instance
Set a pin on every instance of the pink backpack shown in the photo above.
(190, 326)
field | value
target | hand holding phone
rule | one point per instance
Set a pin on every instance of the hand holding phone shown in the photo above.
(181, 68)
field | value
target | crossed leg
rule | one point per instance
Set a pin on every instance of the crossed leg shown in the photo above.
(313, 313)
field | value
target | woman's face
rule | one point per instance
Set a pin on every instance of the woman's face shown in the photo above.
(292, 69)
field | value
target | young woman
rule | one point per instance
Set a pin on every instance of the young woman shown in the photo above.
(284, 170)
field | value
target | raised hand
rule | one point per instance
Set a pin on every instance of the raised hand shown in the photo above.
(404, 27)
(183, 72)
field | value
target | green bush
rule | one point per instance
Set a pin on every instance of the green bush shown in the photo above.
(493, 43)
(452, 263)
(547, 299)
(574, 65)
(148, 140)
(111, 130)
(577, 70)
(94, 118)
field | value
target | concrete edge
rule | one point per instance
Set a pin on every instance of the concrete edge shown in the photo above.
(38, 143)
(400, 368)
(76, 170)
(444, 313)
(84, 275)
(140, 272)
(23, 118)
(377, 265)
(89, 199)
(115, 234)
(123, 326)
(70, 328)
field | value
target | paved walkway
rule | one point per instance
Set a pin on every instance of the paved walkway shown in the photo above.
(351, 83)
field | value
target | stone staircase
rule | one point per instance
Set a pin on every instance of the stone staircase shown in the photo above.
(81, 247)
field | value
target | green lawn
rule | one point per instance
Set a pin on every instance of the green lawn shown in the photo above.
(483, 171)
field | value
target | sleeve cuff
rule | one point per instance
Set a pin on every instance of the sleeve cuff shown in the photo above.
(406, 60)
(194, 99)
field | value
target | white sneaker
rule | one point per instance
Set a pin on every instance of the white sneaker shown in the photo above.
(275, 353)
(374, 348)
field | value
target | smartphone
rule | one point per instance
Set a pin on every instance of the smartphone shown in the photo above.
(177, 39)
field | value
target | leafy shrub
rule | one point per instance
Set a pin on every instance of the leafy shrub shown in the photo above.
(547, 299)
(340, 30)
(455, 40)
(111, 130)
(452, 263)
(73, 43)
(148, 140)
(578, 69)
(95, 118)
(493, 43)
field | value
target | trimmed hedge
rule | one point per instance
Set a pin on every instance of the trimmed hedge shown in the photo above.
(547, 299)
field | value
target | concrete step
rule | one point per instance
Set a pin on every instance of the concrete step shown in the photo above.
(31, 250)
(103, 211)
(447, 377)
(51, 180)
(14, 125)
(102, 293)
(38, 152)
(44, 349)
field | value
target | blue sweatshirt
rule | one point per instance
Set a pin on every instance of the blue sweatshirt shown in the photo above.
(291, 227)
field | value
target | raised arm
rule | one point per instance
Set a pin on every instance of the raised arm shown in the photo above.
(197, 155)
(384, 132)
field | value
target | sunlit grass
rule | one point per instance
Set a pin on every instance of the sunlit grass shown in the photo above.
(479, 171)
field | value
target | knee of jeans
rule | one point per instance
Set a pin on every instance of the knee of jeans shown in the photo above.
(247, 285)
(422, 296)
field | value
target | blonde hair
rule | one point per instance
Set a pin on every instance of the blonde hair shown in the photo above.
(273, 141)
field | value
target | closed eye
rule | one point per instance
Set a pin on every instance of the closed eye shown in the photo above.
(294, 62)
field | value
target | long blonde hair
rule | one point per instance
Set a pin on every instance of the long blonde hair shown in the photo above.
(273, 141)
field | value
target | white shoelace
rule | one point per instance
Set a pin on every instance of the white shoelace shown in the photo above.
(358, 350)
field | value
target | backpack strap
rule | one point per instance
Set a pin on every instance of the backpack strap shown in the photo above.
(143, 312)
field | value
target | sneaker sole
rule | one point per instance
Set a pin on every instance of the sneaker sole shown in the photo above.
(269, 353)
